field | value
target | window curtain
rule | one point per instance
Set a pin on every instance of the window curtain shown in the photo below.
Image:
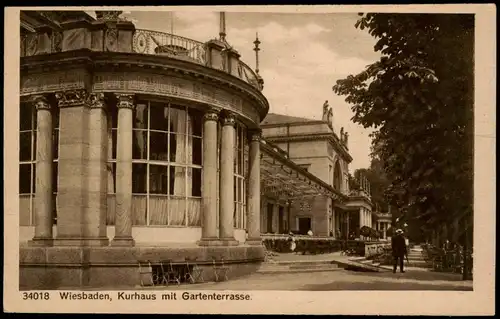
(182, 126)
(141, 136)
(158, 206)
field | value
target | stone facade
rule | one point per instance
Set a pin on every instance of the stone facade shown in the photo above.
(94, 98)
(315, 146)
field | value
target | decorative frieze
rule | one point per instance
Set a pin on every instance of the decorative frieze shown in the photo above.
(53, 82)
(56, 38)
(31, 44)
(111, 40)
(135, 82)
(72, 98)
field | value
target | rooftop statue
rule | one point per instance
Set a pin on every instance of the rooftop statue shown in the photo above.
(325, 111)
(342, 135)
(346, 137)
(330, 117)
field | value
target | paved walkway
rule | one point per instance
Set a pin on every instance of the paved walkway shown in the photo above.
(337, 280)
(413, 279)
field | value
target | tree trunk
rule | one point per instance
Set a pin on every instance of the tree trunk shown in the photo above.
(465, 269)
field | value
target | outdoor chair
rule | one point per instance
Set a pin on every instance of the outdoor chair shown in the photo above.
(146, 273)
(193, 271)
(220, 270)
(169, 274)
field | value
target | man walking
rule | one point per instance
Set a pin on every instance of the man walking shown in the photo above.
(399, 250)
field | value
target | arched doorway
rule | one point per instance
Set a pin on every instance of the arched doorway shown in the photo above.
(337, 176)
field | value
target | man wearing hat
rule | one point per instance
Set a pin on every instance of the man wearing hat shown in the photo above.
(399, 250)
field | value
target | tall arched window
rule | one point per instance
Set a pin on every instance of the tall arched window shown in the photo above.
(337, 177)
(27, 162)
(166, 164)
(240, 169)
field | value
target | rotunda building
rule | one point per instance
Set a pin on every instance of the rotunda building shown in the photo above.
(135, 146)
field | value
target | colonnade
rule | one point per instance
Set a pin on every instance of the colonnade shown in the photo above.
(82, 187)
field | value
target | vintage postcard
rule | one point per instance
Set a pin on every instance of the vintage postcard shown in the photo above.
(264, 159)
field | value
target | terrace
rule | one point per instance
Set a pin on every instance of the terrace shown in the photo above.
(112, 33)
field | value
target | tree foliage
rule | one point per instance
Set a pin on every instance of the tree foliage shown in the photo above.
(419, 98)
(377, 178)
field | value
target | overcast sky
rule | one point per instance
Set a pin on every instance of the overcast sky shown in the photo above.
(301, 58)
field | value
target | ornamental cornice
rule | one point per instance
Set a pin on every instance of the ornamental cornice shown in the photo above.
(364, 200)
(312, 137)
(157, 63)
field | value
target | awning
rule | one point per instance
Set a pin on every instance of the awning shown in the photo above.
(283, 179)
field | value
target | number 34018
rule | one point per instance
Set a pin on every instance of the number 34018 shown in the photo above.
(36, 296)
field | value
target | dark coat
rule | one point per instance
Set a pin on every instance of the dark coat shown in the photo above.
(398, 246)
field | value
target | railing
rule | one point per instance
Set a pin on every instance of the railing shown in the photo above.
(454, 260)
(282, 243)
(142, 42)
(154, 42)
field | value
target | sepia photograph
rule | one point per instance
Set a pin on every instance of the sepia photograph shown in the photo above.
(168, 154)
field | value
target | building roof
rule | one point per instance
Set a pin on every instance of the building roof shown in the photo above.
(284, 179)
(273, 118)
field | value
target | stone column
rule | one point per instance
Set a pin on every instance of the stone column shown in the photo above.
(361, 217)
(209, 235)
(334, 222)
(44, 158)
(123, 219)
(81, 210)
(253, 201)
(226, 226)
(95, 216)
(72, 187)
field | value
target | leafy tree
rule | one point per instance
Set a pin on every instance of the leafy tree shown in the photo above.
(353, 182)
(419, 98)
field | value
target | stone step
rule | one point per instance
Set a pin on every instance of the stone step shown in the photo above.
(276, 270)
(284, 266)
(300, 262)
(414, 254)
(312, 266)
(274, 267)
(364, 266)
(372, 265)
